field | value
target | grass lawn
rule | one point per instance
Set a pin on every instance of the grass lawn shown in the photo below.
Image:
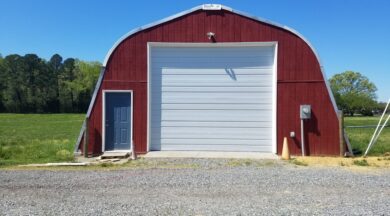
(38, 138)
(360, 137)
(42, 138)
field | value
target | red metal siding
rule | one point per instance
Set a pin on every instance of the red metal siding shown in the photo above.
(299, 75)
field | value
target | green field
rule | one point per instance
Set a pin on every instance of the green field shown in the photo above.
(36, 138)
(41, 138)
(360, 137)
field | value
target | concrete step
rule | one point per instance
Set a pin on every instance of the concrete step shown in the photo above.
(111, 155)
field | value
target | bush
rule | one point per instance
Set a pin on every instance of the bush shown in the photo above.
(4, 154)
(361, 162)
(64, 155)
(299, 163)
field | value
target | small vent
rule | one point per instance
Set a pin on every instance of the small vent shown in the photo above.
(212, 7)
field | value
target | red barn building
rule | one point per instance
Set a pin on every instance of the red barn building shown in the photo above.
(212, 79)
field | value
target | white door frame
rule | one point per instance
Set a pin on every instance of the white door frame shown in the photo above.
(274, 44)
(104, 118)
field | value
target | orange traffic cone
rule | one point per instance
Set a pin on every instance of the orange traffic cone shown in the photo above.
(285, 150)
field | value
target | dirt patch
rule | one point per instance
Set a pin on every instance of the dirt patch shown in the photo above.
(368, 162)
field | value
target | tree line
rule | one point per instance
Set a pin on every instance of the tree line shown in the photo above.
(355, 94)
(30, 84)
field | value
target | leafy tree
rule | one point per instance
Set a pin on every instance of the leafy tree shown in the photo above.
(14, 94)
(66, 76)
(55, 66)
(2, 82)
(37, 84)
(381, 107)
(86, 75)
(55, 63)
(354, 93)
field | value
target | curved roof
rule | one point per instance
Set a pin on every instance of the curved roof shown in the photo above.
(222, 7)
(201, 7)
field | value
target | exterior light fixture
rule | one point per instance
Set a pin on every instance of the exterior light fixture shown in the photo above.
(211, 35)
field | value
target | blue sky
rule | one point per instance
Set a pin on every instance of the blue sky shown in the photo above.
(348, 34)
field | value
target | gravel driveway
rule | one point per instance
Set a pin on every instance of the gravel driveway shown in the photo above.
(210, 187)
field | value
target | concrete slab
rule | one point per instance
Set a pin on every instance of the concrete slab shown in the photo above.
(203, 154)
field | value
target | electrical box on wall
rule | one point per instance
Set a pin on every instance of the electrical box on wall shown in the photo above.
(305, 112)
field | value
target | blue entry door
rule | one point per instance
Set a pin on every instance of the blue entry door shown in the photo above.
(118, 121)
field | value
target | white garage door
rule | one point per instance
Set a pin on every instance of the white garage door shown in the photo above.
(211, 98)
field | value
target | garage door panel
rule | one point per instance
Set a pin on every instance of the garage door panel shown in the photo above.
(201, 117)
(210, 124)
(211, 145)
(179, 96)
(205, 131)
(215, 89)
(211, 97)
(211, 115)
(213, 133)
(215, 106)
(215, 71)
(215, 99)
(213, 62)
(232, 148)
(166, 80)
(198, 141)
(210, 100)
(216, 114)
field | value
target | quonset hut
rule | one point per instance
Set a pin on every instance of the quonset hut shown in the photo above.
(212, 79)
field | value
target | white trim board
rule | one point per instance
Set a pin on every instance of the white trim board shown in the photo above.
(275, 101)
(208, 45)
(104, 117)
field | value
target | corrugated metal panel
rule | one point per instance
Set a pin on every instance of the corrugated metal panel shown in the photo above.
(211, 99)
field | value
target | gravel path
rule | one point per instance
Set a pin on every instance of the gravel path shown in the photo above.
(212, 187)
